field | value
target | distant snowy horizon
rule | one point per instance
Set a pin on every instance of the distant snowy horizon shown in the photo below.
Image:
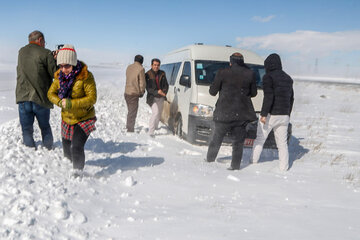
(10, 67)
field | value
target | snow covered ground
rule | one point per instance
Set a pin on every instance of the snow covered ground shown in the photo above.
(137, 187)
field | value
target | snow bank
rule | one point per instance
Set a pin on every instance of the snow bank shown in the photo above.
(137, 187)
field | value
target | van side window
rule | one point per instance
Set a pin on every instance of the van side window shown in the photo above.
(187, 69)
(171, 70)
(185, 79)
(167, 68)
(175, 72)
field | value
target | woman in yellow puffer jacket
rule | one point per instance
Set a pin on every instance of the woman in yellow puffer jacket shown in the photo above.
(74, 90)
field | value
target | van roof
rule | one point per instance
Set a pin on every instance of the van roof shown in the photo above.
(211, 52)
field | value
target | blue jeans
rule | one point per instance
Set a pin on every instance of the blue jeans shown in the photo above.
(27, 112)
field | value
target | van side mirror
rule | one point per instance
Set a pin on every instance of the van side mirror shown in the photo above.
(185, 81)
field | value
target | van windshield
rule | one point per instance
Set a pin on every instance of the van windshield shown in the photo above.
(205, 71)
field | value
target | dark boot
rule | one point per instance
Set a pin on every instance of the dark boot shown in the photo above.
(67, 148)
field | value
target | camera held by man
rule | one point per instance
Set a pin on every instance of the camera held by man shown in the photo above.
(57, 48)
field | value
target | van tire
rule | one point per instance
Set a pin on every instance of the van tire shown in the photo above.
(178, 127)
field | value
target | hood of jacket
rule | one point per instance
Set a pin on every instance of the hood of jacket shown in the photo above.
(272, 62)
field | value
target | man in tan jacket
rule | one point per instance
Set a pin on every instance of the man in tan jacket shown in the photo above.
(134, 89)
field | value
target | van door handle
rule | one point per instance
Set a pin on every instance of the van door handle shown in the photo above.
(174, 89)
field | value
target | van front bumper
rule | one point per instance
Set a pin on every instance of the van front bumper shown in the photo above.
(200, 131)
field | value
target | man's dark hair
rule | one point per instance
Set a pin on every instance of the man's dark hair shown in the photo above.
(35, 35)
(155, 60)
(139, 59)
(237, 58)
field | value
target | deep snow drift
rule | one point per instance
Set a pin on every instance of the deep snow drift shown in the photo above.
(136, 187)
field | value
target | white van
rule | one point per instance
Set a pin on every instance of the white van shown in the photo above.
(189, 108)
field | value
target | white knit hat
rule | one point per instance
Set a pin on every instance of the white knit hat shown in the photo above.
(67, 55)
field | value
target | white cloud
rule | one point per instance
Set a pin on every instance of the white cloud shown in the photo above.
(304, 42)
(263, 19)
(309, 52)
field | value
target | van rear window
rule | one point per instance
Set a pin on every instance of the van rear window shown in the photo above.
(205, 71)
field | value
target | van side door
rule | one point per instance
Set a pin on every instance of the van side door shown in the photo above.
(171, 70)
(183, 93)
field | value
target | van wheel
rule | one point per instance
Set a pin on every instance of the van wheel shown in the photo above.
(178, 127)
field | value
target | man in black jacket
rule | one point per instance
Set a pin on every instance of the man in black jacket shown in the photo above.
(234, 109)
(275, 112)
(157, 88)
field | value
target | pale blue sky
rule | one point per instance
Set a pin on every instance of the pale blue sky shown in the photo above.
(119, 29)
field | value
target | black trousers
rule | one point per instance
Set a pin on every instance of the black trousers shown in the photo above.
(74, 150)
(238, 132)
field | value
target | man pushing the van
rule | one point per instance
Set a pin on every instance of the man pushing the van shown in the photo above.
(275, 112)
(234, 109)
(157, 88)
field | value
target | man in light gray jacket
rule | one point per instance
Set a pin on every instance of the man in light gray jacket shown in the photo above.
(134, 89)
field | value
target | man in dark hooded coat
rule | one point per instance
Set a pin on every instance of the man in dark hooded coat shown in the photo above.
(275, 112)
